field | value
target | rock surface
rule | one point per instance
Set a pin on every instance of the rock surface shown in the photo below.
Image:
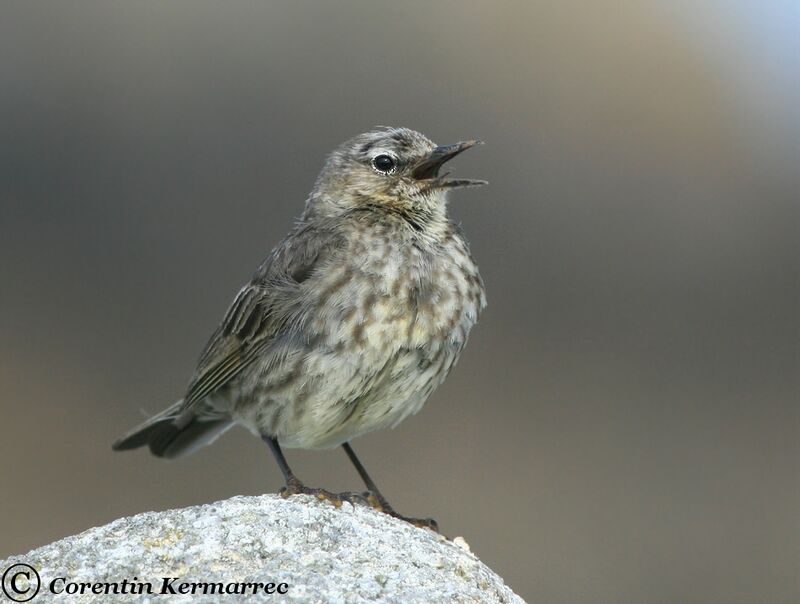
(321, 554)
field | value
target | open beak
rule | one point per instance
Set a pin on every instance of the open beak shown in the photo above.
(428, 168)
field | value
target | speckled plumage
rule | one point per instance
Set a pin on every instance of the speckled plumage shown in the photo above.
(353, 319)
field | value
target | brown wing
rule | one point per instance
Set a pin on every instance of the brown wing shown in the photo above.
(264, 309)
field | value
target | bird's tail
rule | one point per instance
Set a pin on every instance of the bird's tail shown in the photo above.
(172, 434)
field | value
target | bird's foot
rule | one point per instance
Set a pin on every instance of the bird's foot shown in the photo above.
(295, 487)
(378, 502)
(374, 500)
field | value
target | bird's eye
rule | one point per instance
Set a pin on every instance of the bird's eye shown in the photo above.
(383, 163)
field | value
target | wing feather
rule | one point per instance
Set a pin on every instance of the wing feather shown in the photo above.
(263, 311)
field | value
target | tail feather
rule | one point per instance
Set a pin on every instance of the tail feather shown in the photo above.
(170, 435)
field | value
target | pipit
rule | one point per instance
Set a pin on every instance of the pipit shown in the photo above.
(349, 324)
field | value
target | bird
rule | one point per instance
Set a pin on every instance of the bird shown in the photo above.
(348, 325)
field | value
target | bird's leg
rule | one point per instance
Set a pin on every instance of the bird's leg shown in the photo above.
(377, 500)
(295, 487)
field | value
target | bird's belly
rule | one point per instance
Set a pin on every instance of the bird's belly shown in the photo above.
(330, 394)
(376, 351)
(348, 400)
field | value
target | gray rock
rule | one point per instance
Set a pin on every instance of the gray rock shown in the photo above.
(321, 554)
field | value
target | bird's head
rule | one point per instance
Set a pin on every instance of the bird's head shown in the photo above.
(397, 168)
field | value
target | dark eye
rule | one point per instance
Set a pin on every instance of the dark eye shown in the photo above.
(384, 163)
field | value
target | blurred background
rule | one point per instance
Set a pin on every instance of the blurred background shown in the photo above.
(624, 424)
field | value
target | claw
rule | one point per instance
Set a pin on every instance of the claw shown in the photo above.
(378, 502)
